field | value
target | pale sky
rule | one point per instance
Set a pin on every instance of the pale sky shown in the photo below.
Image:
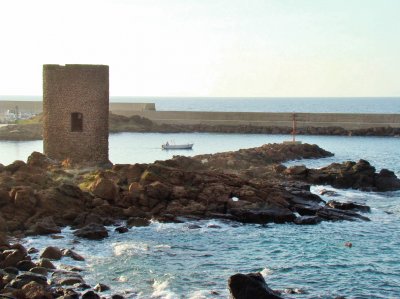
(266, 48)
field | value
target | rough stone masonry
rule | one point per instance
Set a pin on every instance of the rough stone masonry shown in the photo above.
(75, 109)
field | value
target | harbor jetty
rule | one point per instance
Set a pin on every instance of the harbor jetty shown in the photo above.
(143, 117)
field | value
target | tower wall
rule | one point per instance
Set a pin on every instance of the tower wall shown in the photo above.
(75, 109)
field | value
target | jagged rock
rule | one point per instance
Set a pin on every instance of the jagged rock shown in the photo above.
(250, 286)
(92, 232)
(52, 253)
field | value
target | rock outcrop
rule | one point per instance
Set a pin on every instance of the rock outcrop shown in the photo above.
(250, 186)
(250, 286)
(356, 175)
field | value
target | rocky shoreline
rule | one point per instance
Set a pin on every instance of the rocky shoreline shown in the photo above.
(118, 123)
(41, 196)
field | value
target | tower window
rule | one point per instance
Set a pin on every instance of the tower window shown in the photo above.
(76, 122)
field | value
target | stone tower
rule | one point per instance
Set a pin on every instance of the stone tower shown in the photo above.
(75, 110)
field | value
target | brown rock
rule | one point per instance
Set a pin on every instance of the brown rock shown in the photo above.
(44, 226)
(137, 221)
(24, 198)
(37, 159)
(36, 291)
(46, 263)
(5, 198)
(13, 257)
(105, 188)
(15, 166)
(52, 253)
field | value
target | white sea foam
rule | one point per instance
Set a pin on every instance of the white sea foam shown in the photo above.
(132, 248)
(201, 294)
(266, 272)
(161, 290)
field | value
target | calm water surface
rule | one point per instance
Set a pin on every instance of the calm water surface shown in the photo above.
(173, 261)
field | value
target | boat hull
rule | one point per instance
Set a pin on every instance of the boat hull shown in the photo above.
(177, 146)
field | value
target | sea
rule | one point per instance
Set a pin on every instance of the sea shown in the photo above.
(169, 260)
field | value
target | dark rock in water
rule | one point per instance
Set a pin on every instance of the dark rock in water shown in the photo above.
(83, 286)
(193, 226)
(90, 295)
(72, 254)
(213, 226)
(122, 229)
(261, 216)
(92, 231)
(101, 287)
(11, 270)
(25, 265)
(116, 296)
(387, 181)
(360, 175)
(52, 253)
(307, 220)
(39, 270)
(335, 215)
(250, 286)
(348, 206)
(33, 250)
(12, 257)
(26, 278)
(66, 278)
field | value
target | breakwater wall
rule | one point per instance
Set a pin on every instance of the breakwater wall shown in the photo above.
(36, 107)
(347, 121)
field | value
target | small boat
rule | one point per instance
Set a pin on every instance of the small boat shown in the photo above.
(168, 146)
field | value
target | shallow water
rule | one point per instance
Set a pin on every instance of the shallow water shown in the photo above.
(173, 261)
